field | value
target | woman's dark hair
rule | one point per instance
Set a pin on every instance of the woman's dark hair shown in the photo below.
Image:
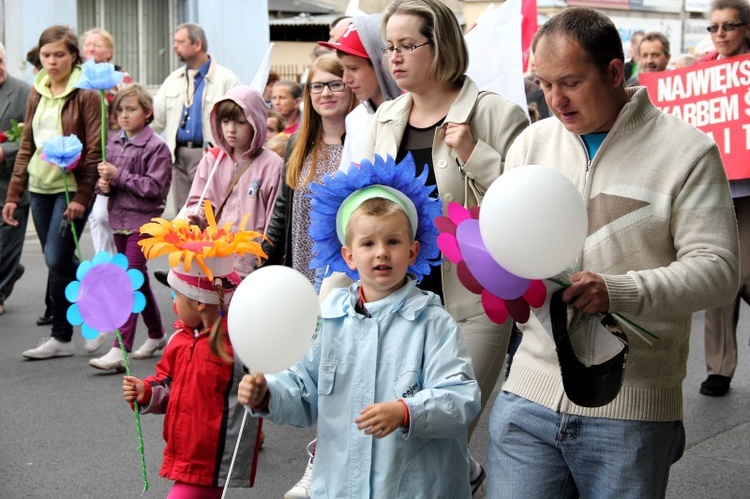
(228, 110)
(32, 57)
(741, 6)
(60, 33)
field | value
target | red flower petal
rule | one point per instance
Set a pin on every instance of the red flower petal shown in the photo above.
(494, 307)
(449, 246)
(518, 309)
(467, 278)
(457, 213)
(536, 294)
(445, 225)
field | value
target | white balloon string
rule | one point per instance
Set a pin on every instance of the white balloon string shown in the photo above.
(234, 455)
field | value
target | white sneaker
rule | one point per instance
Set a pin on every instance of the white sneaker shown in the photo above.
(92, 346)
(111, 361)
(149, 347)
(302, 489)
(49, 348)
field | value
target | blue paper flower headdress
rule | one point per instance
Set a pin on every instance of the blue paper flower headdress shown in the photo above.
(337, 197)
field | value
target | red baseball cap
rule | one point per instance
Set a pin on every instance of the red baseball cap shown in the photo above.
(349, 43)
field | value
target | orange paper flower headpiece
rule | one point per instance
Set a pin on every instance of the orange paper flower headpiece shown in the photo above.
(187, 244)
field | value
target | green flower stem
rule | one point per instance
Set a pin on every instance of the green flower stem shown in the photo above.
(137, 415)
(639, 328)
(72, 225)
(104, 125)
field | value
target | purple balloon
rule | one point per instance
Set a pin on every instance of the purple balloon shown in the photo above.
(485, 269)
(105, 298)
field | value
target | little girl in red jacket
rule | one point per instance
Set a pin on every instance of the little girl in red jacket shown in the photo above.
(196, 380)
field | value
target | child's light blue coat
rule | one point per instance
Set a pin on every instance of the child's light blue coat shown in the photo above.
(411, 349)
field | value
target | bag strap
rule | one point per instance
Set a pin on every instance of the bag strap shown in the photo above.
(470, 184)
(233, 183)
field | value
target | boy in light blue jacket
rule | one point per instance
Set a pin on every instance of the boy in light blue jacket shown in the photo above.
(389, 380)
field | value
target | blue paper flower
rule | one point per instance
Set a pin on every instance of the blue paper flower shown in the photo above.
(62, 151)
(104, 295)
(326, 198)
(99, 76)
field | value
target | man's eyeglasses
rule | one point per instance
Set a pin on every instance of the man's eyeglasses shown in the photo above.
(714, 28)
(406, 47)
(317, 87)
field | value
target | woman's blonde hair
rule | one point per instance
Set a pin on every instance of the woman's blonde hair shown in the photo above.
(441, 28)
(109, 40)
(309, 137)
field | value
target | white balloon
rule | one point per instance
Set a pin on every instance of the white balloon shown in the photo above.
(273, 318)
(533, 221)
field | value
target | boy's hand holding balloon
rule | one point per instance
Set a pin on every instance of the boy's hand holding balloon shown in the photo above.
(252, 390)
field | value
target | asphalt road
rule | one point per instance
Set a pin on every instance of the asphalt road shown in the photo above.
(67, 433)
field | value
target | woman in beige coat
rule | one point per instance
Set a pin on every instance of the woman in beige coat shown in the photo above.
(461, 135)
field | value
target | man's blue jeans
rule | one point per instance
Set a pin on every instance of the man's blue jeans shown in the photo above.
(537, 452)
(59, 254)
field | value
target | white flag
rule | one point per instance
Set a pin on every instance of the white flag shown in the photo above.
(495, 54)
(352, 10)
(261, 77)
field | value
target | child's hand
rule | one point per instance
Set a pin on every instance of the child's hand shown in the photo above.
(104, 186)
(253, 389)
(133, 389)
(106, 170)
(381, 419)
(198, 220)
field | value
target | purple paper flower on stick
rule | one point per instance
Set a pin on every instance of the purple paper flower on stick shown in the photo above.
(62, 151)
(103, 297)
(104, 294)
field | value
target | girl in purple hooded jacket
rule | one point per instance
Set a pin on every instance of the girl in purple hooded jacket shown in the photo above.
(136, 178)
(239, 176)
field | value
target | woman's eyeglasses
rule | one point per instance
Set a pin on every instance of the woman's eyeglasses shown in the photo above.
(714, 28)
(406, 47)
(317, 87)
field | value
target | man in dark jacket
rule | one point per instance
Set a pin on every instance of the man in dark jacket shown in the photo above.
(13, 96)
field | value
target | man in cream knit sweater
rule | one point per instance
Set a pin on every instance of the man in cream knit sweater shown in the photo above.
(662, 244)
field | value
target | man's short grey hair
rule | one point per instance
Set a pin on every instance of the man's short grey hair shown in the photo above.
(195, 33)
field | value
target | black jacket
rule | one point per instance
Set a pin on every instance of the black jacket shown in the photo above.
(278, 247)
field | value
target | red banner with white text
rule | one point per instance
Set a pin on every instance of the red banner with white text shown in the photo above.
(715, 97)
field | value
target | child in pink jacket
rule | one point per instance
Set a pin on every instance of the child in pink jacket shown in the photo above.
(239, 176)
